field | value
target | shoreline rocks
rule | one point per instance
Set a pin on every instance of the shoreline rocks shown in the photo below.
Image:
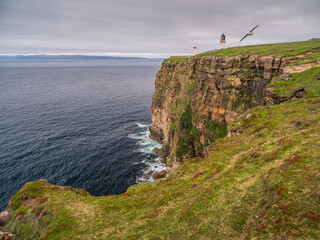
(158, 175)
(4, 217)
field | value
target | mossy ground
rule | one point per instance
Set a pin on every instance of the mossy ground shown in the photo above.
(308, 80)
(262, 184)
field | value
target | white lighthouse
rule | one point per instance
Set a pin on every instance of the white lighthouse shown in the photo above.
(195, 50)
(223, 41)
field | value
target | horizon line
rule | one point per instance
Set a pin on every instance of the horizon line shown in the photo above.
(141, 55)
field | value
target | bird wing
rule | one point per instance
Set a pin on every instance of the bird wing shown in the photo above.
(244, 37)
(254, 28)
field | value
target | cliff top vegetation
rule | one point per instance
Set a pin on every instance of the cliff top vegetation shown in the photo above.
(276, 49)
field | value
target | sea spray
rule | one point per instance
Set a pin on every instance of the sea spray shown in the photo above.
(152, 162)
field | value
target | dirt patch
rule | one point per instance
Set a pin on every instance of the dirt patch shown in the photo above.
(243, 186)
(82, 208)
(300, 68)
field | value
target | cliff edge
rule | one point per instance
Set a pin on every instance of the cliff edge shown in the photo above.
(196, 99)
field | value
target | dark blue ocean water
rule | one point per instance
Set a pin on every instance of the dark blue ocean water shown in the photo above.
(75, 123)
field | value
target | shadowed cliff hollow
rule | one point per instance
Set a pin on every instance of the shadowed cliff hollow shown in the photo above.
(197, 98)
(261, 182)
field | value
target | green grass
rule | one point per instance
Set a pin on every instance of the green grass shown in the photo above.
(216, 129)
(177, 59)
(308, 80)
(277, 49)
(312, 58)
(262, 184)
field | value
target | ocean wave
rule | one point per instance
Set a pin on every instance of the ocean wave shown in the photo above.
(140, 125)
(152, 162)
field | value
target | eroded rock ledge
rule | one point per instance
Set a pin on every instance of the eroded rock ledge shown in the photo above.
(195, 99)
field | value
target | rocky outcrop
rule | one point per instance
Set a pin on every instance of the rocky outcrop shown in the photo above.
(197, 98)
(158, 175)
(4, 218)
(6, 236)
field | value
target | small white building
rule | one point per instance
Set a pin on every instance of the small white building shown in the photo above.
(195, 50)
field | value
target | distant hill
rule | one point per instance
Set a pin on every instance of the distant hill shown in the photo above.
(314, 39)
(70, 57)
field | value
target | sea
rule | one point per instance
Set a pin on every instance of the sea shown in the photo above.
(79, 123)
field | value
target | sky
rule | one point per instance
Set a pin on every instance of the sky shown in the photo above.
(150, 28)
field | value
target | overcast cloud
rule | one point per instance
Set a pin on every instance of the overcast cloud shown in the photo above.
(150, 27)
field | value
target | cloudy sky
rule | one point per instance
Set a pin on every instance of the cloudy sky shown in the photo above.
(154, 28)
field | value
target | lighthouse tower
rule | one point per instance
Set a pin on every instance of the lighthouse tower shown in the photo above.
(223, 41)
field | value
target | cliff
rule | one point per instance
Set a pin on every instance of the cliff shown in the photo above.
(197, 98)
(262, 182)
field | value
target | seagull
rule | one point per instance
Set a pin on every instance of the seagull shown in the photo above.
(249, 33)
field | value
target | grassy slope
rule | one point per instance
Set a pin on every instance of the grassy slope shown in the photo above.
(277, 49)
(263, 183)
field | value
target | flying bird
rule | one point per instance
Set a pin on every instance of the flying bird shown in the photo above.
(249, 33)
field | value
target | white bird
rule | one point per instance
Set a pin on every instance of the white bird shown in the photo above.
(249, 33)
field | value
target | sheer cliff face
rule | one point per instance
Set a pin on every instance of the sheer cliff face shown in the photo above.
(195, 99)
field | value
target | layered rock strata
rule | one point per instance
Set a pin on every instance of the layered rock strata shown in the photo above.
(196, 99)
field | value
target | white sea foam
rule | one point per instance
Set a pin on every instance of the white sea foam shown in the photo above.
(140, 125)
(151, 161)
